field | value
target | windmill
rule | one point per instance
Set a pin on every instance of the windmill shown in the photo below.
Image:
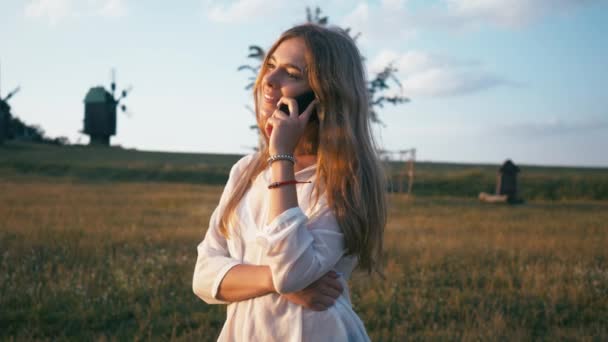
(5, 112)
(100, 112)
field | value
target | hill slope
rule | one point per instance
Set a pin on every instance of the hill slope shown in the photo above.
(93, 164)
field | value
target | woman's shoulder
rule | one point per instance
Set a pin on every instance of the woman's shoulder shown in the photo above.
(240, 166)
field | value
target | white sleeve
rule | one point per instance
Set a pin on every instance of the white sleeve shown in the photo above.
(298, 250)
(214, 259)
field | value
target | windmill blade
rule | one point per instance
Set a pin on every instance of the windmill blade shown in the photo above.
(124, 93)
(127, 91)
(12, 93)
(113, 84)
(126, 112)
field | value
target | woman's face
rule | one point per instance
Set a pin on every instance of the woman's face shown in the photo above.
(285, 75)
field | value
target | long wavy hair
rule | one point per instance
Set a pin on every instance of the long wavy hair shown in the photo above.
(348, 171)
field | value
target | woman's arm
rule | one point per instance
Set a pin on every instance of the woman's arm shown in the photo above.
(214, 260)
(244, 282)
(220, 279)
(299, 251)
(212, 264)
(284, 197)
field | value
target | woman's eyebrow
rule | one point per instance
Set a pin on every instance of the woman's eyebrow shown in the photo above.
(289, 65)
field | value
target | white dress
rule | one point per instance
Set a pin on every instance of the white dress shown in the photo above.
(300, 245)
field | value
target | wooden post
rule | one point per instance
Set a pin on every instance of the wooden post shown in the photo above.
(410, 172)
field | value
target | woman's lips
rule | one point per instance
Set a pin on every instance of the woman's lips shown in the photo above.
(270, 99)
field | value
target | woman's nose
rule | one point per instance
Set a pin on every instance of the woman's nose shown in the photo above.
(271, 78)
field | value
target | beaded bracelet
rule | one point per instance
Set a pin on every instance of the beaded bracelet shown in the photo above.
(279, 184)
(276, 157)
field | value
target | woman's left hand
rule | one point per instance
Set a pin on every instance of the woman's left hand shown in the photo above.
(320, 295)
(285, 129)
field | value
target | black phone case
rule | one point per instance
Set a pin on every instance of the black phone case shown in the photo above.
(303, 101)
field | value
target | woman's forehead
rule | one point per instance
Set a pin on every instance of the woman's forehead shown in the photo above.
(291, 51)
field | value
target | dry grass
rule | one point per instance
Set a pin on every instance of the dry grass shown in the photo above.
(105, 261)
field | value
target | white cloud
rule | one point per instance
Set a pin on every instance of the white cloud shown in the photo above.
(242, 10)
(57, 10)
(395, 19)
(450, 82)
(395, 5)
(415, 61)
(510, 13)
(111, 8)
(53, 10)
(379, 23)
(426, 74)
(398, 19)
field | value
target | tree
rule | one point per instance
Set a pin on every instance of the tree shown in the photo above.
(378, 86)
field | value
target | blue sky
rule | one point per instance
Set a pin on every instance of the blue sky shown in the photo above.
(488, 79)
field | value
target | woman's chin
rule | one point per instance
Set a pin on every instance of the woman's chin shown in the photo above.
(268, 109)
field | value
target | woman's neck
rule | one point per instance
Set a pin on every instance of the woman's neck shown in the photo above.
(304, 160)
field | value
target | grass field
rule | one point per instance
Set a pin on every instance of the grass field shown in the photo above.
(107, 259)
(432, 179)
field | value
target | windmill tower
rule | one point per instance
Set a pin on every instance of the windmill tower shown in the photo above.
(100, 112)
(5, 112)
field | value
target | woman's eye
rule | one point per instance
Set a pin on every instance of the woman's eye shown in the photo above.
(271, 66)
(294, 76)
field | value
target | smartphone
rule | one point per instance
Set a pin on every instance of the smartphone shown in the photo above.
(303, 101)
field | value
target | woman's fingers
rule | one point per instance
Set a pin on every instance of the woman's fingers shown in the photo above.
(274, 120)
(285, 129)
(278, 114)
(320, 295)
(270, 123)
(330, 291)
(291, 103)
(330, 286)
(323, 303)
(332, 281)
(318, 307)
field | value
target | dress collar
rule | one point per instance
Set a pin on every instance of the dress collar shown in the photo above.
(307, 170)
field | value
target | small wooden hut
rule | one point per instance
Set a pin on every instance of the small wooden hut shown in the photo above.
(506, 183)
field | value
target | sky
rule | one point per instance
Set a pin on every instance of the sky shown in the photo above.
(487, 79)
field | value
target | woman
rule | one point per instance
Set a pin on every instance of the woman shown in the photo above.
(288, 232)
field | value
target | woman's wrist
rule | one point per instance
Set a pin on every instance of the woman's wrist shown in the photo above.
(282, 163)
(274, 151)
(280, 157)
(282, 170)
(268, 284)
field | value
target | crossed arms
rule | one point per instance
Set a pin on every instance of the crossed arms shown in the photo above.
(297, 254)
